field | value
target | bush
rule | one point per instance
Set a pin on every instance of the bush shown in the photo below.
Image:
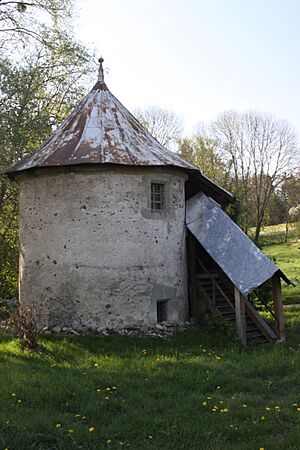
(23, 326)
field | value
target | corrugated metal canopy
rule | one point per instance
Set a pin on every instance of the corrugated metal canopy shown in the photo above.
(244, 264)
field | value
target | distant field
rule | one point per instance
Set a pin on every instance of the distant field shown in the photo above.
(286, 256)
(274, 234)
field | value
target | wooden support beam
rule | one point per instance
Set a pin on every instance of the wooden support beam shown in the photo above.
(192, 276)
(240, 316)
(278, 306)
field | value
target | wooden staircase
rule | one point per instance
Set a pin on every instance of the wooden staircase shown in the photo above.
(218, 295)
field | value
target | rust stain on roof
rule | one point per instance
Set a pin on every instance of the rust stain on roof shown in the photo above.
(101, 130)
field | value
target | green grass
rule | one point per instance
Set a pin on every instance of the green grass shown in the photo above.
(287, 257)
(165, 393)
(275, 234)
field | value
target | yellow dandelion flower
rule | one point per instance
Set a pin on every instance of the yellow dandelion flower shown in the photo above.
(96, 365)
(218, 387)
(208, 398)
(261, 448)
(204, 403)
(298, 409)
(58, 425)
(267, 408)
(106, 398)
(226, 410)
(263, 418)
(13, 394)
(19, 401)
(70, 430)
(91, 429)
(244, 406)
(108, 389)
(77, 415)
(108, 441)
(150, 437)
(114, 388)
(295, 404)
(98, 390)
(83, 417)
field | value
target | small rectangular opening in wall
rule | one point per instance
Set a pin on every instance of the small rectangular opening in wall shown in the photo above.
(157, 197)
(162, 310)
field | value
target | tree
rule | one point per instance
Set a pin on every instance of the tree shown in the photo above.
(163, 124)
(22, 21)
(201, 151)
(260, 150)
(35, 96)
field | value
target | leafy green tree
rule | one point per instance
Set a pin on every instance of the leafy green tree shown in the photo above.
(35, 97)
(201, 151)
(22, 22)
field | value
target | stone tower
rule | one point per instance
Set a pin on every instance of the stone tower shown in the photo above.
(102, 222)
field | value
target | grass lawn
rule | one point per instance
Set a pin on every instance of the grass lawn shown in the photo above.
(196, 390)
(287, 257)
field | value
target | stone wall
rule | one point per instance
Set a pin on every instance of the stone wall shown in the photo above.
(92, 253)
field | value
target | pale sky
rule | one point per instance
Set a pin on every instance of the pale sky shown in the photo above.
(198, 58)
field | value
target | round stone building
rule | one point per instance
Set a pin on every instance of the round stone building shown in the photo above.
(102, 222)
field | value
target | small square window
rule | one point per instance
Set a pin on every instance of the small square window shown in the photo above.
(157, 197)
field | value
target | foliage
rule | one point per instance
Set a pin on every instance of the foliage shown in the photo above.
(201, 151)
(22, 324)
(35, 96)
(5, 310)
(263, 295)
(23, 22)
(260, 151)
(145, 393)
(217, 325)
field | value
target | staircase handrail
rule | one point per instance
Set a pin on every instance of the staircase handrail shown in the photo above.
(265, 304)
(262, 325)
(216, 284)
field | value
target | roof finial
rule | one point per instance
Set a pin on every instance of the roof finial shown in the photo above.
(100, 73)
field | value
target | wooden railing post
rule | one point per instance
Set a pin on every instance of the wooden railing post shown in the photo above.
(278, 306)
(240, 316)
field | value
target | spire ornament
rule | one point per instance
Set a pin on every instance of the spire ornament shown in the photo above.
(100, 72)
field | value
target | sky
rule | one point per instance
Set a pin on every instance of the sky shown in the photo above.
(198, 58)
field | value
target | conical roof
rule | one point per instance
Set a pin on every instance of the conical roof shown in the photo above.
(100, 130)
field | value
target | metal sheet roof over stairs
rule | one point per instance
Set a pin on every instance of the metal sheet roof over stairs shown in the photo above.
(240, 259)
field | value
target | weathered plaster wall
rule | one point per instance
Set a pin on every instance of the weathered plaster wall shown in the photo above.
(92, 253)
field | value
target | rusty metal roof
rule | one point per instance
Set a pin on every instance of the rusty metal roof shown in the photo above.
(100, 130)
